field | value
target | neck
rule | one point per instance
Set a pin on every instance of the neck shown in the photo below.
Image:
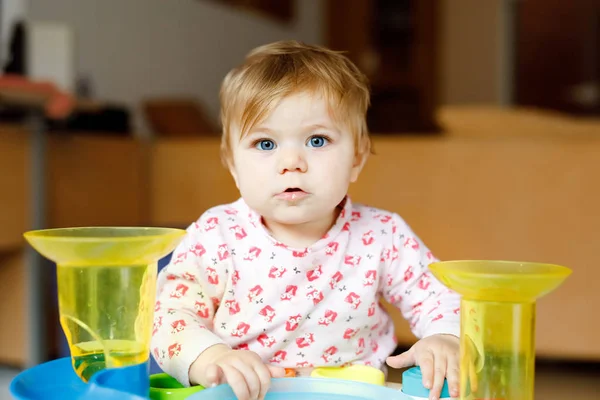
(301, 235)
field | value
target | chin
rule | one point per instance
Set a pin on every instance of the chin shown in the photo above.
(289, 218)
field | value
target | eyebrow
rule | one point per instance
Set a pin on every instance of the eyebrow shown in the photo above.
(260, 129)
(321, 126)
(264, 129)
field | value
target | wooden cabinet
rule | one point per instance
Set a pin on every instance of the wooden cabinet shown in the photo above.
(394, 43)
(558, 55)
(281, 10)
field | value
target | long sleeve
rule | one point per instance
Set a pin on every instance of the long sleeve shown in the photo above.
(428, 306)
(188, 293)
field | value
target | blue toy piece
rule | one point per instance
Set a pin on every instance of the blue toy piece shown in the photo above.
(310, 388)
(412, 385)
(56, 380)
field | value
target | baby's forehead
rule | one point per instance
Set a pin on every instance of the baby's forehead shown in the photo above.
(298, 109)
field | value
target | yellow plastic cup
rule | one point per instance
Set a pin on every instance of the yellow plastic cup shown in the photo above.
(498, 309)
(106, 280)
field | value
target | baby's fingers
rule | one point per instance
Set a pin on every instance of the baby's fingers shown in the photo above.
(403, 360)
(237, 381)
(425, 362)
(250, 373)
(276, 372)
(213, 376)
(453, 376)
(264, 376)
(439, 374)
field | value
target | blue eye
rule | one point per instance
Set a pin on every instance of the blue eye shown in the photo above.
(265, 144)
(318, 141)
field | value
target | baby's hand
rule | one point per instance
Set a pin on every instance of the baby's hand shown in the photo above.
(438, 356)
(243, 370)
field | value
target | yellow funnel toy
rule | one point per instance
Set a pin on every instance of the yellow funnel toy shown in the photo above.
(498, 323)
(106, 290)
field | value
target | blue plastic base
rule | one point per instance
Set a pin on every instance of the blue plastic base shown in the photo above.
(56, 380)
(310, 389)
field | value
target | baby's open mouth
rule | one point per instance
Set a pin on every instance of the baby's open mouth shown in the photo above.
(292, 194)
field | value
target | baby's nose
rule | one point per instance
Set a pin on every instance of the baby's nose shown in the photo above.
(292, 161)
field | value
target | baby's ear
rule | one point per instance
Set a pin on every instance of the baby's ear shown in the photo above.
(359, 162)
(228, 161)
(234, 175)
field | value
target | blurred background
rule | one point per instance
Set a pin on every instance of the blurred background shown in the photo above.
(485, 117)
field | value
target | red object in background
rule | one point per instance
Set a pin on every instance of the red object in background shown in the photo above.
(19, 90)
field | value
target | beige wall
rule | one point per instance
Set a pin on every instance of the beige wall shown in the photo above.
(474, 50)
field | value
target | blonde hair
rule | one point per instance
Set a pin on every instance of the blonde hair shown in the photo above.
(276, 70)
